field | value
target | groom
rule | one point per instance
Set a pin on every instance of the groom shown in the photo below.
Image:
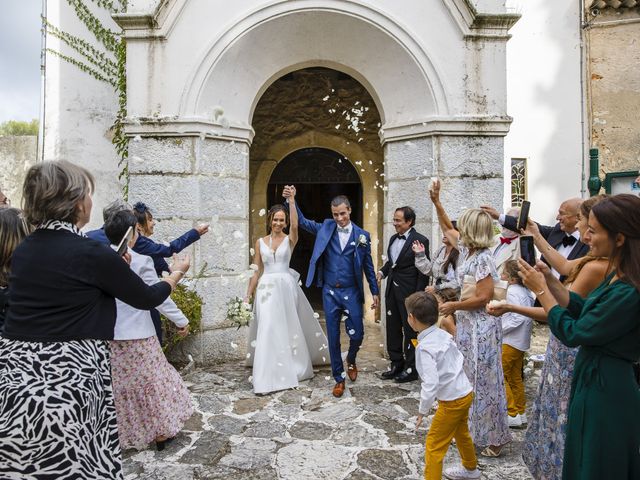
(342, 252)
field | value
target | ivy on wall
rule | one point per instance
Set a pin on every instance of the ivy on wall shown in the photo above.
(107, 66)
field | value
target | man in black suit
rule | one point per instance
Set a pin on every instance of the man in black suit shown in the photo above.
(403, 279)
(563, 236)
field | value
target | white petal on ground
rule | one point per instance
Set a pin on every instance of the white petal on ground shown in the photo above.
(234, 345)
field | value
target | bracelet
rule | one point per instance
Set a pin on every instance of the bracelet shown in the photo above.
(541, 292)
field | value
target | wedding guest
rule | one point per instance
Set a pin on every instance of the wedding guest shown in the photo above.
(516, 340)
(13, 229)
(563, 236)
(440, 365)
(447, 322)
(158, 251)
(442, 268)
(478, 334)
(403, 279)
(506, 244)
(152, 401)
(107, 212)
(54, 353)
(543, 448)
(605, 398)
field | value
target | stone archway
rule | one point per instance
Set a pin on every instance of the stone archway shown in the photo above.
(318, 108)
(435, 78)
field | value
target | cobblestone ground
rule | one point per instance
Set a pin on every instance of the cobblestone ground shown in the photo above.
(307, 433)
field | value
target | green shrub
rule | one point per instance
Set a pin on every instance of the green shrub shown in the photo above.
(190, 303)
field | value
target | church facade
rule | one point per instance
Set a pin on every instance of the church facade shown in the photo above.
(229, 101)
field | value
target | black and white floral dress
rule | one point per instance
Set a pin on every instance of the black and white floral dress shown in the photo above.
(57, 413)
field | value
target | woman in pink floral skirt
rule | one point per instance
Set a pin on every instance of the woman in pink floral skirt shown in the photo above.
(152, 402)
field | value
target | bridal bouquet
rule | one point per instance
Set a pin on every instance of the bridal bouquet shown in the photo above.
(239, 312)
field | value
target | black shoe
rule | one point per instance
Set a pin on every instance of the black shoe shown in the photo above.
(406, 376)
(392, 373)
(162, 443)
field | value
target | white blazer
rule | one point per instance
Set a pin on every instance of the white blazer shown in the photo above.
(502, 254)
(134, 324)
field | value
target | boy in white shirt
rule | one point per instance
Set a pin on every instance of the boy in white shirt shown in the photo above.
(439, 364)
(516, 339)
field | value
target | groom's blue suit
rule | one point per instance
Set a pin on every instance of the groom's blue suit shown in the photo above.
(339, 272)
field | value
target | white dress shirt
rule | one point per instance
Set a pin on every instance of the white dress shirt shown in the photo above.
(439, 364)
(344, 236)
(566, 251)
(398, 245)
(516, 328)
(134, 324)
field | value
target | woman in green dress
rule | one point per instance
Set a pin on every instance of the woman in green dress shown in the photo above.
(603, 430)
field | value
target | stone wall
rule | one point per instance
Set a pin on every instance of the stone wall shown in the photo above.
(186, 181)
(614, 88)
(17, 154)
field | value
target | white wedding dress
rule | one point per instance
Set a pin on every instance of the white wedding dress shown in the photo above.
(285, 338)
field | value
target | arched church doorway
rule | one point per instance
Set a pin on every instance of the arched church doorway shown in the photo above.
(319, 175)
(318, 129)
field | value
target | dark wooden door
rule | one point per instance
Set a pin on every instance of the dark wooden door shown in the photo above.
(319, 175)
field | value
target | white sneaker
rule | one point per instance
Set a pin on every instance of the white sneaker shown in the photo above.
(523, 418)
(461, 473)
(515, 422)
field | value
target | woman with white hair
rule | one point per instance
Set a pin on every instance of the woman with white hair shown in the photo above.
(478, 334)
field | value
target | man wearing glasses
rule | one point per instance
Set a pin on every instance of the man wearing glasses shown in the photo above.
(563, 236)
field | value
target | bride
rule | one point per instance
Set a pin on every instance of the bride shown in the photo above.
(285, 339)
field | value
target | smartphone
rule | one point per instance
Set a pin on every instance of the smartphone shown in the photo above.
(523, 218)
(527, 249)
(121, 249)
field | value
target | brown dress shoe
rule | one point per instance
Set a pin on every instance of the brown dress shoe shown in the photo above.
(338, 390)
(352, 371)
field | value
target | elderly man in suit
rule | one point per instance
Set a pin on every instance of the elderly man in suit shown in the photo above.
(403, 279)
(563, 236)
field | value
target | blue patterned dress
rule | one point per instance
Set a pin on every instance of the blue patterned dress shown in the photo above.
(544, 440)
(479, 338)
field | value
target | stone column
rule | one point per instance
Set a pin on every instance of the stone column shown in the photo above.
(471, 170)
(191, 180)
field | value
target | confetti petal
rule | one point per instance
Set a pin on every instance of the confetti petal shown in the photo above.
(262, 212)
(316, 315)
(234, 345)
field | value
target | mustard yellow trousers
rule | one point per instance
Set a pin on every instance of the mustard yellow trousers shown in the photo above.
(512, 359)
(450, 421)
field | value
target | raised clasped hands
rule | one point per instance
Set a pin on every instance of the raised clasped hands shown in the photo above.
(289, 192)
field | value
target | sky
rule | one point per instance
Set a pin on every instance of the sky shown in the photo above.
(20, 59)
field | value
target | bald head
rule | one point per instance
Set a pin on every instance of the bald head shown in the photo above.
(568, 215)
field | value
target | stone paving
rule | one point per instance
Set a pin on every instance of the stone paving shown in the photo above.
(306, 433)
